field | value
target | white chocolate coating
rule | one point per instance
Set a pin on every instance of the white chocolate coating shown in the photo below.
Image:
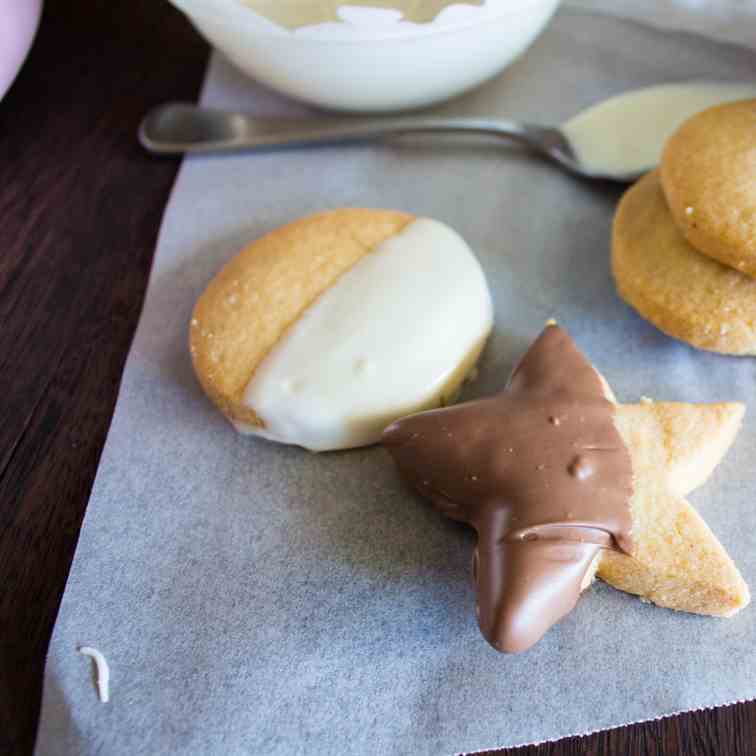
(103, 671)
(380, 343)
(626, 134)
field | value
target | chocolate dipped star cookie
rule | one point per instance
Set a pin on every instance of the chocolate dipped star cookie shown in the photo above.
(562, 483)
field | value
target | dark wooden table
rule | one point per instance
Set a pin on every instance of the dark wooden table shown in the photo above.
(80, 208)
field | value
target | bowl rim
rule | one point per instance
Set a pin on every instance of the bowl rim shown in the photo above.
(406, 34)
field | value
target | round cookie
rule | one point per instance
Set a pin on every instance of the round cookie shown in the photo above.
(708, 172)
(324, 331)
(682, 292)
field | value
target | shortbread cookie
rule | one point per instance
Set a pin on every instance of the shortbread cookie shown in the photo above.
(708, 172)
(559, 480)
(676, 561)
(324, 331)
(682, 292)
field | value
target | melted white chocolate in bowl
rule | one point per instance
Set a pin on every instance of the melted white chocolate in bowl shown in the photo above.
(294, 14)
(395, 334)
(626, 134)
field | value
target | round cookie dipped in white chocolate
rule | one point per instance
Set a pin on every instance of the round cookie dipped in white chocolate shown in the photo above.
(323, 332)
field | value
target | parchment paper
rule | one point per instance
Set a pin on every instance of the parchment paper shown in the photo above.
(253, 599)
(726, 20)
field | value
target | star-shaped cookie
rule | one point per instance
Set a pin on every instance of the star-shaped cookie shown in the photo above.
(561, 482)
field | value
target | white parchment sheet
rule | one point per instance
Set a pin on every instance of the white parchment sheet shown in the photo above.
(255, 599)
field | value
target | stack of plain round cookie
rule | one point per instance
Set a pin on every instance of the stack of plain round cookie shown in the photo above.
(684, 236)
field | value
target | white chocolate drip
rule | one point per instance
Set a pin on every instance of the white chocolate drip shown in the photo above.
(103, 671)
(382, 342)
(626, 133)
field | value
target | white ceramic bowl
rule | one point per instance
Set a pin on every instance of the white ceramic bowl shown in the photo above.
(371, 59)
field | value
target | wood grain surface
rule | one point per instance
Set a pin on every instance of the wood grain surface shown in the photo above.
(80, 208)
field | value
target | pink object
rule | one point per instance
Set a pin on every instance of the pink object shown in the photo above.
(18, 24)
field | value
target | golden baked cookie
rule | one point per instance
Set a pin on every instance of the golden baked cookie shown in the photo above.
(682, 292)
(561, 482)
(249, 304)
(325, 330)
(676, 560)
(708, 171)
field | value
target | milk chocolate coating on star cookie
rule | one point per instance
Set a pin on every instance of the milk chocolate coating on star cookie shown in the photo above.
(542, 474)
